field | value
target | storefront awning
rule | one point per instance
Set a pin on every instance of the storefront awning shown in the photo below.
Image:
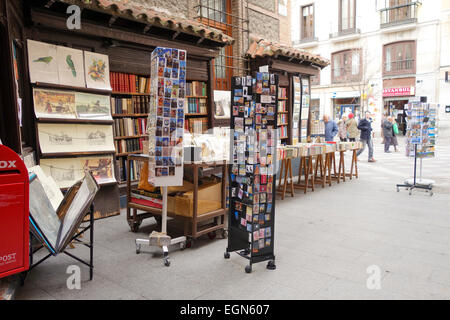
(145, 12)
(264, 48)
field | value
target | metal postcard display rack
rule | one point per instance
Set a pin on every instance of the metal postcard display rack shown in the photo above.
(253, 172)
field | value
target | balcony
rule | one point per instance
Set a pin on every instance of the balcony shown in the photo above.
(399, 15)
(400, 67)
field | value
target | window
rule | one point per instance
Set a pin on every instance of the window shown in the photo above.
(400, 58)
(346, 66)
(347, 16)
(398, 12)
(307, 14)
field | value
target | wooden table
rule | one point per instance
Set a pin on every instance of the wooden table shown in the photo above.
(192, 229)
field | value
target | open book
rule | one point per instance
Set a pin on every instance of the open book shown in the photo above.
(53, 228)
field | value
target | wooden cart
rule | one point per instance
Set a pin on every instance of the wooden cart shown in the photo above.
(193, 226)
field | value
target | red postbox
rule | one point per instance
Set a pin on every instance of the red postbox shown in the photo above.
(14, 215)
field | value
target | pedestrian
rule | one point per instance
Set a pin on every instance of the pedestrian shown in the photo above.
(331, 128)
(383, 119)
(388, 133)
(395, 132)
(342, 129)
(352, 128)
(365, 126)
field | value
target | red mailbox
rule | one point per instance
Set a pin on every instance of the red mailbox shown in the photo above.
(14, 228)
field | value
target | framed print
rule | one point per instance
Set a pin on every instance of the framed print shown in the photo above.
(93, 106)
(66, 138)
(222, 104)
(96, 70)
(42, 62)
(54, 103)
(70, 67)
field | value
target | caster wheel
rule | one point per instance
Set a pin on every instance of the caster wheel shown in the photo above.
(189, 243)
(167, 262)
(410, 192)
(271, 265)
(138, 249)
(248, 269)
(182, 246)
(224, 234)
(226, 255)
(135, 226)
(212, 235)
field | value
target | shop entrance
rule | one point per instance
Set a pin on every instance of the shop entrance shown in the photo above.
(396, 109)
(343, 107)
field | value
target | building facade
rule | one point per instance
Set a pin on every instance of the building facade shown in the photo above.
(382, 52)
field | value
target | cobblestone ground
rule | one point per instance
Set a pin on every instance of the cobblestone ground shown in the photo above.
(325, 244)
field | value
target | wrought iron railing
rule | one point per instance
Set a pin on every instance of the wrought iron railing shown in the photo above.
(399, 66)
(401, 14)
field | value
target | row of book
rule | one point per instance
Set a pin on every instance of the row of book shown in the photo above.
(198, 125)
(196, 105)
(128, 145)
(146, 198)
(125, 127)
(282, 106)
(282, 119)
(129, 83)
(135, 168)
(282, 132)
(196, 88)
(282, 92)
(135, 104)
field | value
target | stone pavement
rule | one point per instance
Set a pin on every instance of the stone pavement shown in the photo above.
(324, 244)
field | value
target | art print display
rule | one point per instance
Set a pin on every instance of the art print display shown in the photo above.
(42, 62)
(67, 171)
(421, 130)
(305, 103)
(92, 106)
(165, 124)
(68, 138)
(296, 111)
(222, 103)
(54, 104)
(70, 67)
(96, 70)
(253, 169)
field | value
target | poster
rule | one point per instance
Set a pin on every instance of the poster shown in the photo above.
(93, 106)
(42, 62)
(97, 70)
(222, 104)
(70, 67)
(69, 138)
(165, 124)
(54, 103)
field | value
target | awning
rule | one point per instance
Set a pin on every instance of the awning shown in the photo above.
(144, 11)
(264, 48)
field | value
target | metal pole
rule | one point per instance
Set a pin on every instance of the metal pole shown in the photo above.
(164, 211)
(415, 163)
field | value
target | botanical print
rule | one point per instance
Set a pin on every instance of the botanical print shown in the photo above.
(70, 67)
(42, 62)
(93, 106)
(97, 70)
(54, 103)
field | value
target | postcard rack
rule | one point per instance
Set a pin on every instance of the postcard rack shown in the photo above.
(74, 239)
(252, 189)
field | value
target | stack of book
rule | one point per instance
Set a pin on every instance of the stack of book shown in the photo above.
(146, 198)
(130, 83)
(135, 104)
(128, 145)
(196, 105)
(126, 127)
(196, 88)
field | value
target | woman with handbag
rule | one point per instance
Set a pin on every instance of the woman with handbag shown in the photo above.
(395, 132)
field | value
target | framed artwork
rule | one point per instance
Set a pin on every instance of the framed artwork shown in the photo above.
(92, 106)
(96, 70)
(67, 171)
(42, 62)
(222, 104)
(70, 67)
(66, 138)
(54, 103)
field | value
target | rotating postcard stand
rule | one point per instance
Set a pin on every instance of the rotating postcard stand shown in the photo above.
(165, 129)
(421, 139)
(251, 217)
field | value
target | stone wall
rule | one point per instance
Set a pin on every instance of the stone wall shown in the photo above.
(265, 4)
(181, 8)
(263, 25)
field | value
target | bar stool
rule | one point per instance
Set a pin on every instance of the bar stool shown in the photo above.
(306, 166)
(286, 174)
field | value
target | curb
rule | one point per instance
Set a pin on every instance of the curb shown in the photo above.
(8, 287)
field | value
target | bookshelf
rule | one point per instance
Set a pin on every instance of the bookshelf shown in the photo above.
(196, 108)
(130, 104)
(283, 114)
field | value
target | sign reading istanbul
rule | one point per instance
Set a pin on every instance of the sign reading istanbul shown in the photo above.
(399, 92)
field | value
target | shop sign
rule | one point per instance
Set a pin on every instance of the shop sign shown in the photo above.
(399, 92)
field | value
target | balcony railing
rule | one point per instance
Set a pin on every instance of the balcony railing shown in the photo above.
(401, 14)
(399, 67)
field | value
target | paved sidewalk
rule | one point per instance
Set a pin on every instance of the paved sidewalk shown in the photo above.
(324, 243)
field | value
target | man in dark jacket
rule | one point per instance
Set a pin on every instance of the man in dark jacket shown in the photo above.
(388, 133)
(365, 126)
(331, 128)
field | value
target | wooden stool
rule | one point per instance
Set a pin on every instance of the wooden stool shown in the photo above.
(341, 173)
(306, 166)
(354, 167)
(320, 166)
(286, 164)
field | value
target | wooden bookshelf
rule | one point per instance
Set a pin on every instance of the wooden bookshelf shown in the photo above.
(130, 137)
(131, 115)
(196, 114)
(197, 97)
(127, 153)
(118, 93)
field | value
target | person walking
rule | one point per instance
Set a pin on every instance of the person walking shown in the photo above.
(395, 132)
(331, 129)
(352, 128)
(365, 126)
(342, 129)
(387, 133)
